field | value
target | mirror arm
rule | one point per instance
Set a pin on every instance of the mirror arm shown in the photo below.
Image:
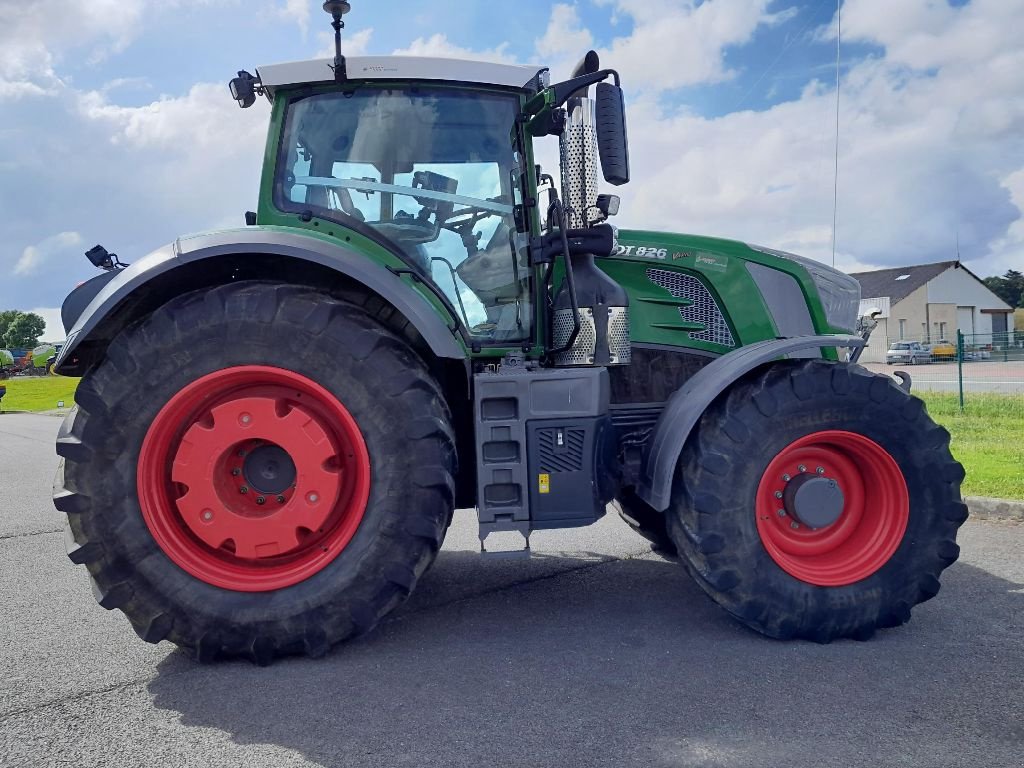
(554, 97)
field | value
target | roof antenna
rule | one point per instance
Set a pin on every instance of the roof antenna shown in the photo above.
(337, 9)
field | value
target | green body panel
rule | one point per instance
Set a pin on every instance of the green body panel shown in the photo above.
(6, 358)
(719, 264)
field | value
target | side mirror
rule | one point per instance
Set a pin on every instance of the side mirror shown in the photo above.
(243, 89)
(612, 140)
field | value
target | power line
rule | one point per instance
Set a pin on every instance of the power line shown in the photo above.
(835, 190)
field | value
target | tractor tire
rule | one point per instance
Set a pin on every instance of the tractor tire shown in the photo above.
(256, 470)
(646, 521)
(834, 565)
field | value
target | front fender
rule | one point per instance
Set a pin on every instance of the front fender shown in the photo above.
(119, 290)
(688, 404)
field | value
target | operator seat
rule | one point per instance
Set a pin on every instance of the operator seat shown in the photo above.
(491, 275)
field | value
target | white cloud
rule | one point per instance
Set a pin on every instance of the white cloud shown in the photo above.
(201, 122)
(54, 327)
(676, 43)
(356, 44)
(297, 11)
(564, 33)
(36, 36)
(439, 45)
(35, 256)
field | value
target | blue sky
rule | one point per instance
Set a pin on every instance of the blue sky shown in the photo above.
(117, 127)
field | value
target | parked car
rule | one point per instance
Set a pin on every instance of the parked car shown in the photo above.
(907, 352)
(943, 350)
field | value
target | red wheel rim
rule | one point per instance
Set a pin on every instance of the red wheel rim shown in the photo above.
(870, 526)
(253, 478)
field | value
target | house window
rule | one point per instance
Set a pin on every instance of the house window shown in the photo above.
(903, 329)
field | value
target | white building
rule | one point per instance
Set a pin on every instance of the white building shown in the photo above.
(930, 303)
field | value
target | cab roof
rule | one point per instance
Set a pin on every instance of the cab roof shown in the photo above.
(276, 76)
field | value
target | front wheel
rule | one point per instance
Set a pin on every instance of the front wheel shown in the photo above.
(818, 501)
(256, 470)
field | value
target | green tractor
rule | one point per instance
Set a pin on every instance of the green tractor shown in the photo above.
(276, 423)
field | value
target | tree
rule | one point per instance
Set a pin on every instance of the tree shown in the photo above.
(1009, 287)
(7, 317)
(20, 329)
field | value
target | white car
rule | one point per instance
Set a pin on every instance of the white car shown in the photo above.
(908, 353)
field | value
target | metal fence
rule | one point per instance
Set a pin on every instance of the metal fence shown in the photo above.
(990, 363)
(970, 368)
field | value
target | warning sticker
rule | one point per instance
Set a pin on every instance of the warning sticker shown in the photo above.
(544, 483)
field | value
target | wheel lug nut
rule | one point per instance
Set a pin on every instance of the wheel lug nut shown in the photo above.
(802, 468)
(820, 470)
(261, 500)
(786, 478)
(207, 515)
(782, 513)
(236, 472)
(280, 499)
(794, 525)
(243, 490)
(312, 498)
(778, 494)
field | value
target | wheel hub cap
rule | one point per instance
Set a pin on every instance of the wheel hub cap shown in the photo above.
(269, 469)
(813, 500)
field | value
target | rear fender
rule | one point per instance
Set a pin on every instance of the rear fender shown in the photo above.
(118, 299)
(688, 404)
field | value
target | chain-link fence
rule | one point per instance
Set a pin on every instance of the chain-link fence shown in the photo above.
(980, 368)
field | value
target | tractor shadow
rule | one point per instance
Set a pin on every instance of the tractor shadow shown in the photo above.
(622, 662)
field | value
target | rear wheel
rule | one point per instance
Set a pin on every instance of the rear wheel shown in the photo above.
(818, 501)
(256, 470)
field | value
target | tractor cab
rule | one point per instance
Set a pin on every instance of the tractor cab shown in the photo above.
(432, 171)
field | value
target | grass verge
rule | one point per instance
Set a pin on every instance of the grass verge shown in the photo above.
(987, 440)
(38, 394)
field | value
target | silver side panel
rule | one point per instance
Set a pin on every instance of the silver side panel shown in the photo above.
(786, 304)
(398, 68)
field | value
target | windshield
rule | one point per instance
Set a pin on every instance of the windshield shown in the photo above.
(430, 172)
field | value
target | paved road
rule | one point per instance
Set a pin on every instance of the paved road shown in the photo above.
(593, 653)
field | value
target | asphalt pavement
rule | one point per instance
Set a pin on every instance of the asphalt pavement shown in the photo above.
(595, 652)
